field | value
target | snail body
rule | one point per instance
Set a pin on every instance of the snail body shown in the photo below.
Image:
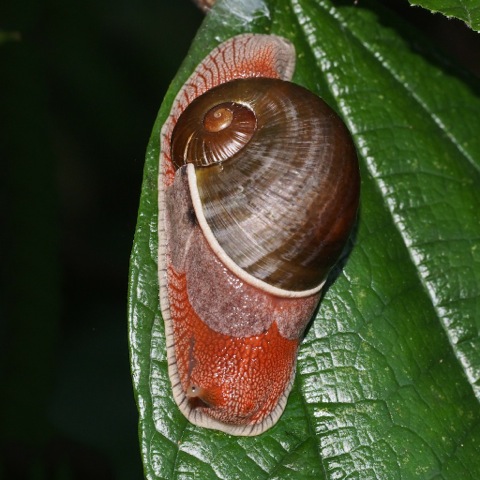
(258, 193)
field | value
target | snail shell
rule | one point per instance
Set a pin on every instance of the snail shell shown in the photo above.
(258, 193)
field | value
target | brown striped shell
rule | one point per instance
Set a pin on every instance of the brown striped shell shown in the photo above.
(277, 177)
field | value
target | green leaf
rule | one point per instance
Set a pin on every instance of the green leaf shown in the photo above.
(466, 10)
(388, 381)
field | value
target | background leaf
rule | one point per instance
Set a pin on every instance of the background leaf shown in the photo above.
(388, 375)
(466, 10)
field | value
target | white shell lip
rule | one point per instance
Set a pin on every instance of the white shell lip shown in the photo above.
(225, 259)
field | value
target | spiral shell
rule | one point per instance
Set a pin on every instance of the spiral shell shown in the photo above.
(268, 178)
(258, 193)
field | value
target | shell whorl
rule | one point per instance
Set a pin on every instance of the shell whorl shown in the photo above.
(277, 176)
(212, 132)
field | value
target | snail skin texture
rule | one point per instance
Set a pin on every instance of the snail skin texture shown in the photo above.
(258, 194)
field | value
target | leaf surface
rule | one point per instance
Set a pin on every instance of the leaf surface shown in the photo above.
(388, 375)
(466, 10)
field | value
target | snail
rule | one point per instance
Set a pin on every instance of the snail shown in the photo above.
(258, 194)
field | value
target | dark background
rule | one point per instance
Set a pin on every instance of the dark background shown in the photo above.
(80, 86)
